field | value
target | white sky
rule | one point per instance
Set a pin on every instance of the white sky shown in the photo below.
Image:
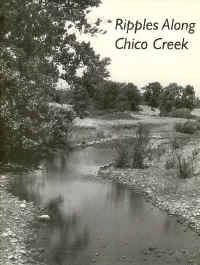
(144, 66)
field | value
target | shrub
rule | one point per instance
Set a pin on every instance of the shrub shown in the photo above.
(178, 160)
(184, 167)
(189, 127)
(170, 163)
(133, 155)
(122, 156)
(181, 113)
(100, 135)
(140, 148)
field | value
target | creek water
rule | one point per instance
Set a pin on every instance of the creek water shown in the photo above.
(96, 221)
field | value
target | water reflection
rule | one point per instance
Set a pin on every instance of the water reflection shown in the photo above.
(89, 215)
(67, 238)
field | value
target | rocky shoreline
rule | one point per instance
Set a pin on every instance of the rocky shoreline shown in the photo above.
(18, 234)
(180, 198)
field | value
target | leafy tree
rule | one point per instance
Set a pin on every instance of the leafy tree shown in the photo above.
(35, 38)
(176, 97)
(188, 97)
(133, 96)
(106, 95)
(152, 93)
(129, 97)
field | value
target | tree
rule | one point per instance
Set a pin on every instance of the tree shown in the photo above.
(175, 97)
(80, 100)
(35, 38)
(128, 98)
(188, 97)
(152, 93)
(133, 96)
(106, 95)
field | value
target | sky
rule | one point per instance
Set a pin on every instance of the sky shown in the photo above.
(142, 66)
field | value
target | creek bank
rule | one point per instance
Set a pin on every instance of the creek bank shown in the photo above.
(18, 229)
(179, 197)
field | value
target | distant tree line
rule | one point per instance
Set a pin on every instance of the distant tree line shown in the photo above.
(169, 98)
(118, 96)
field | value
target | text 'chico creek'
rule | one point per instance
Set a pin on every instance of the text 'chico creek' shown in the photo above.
(157, 44)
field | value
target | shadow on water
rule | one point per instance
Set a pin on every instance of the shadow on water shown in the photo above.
(92, 220)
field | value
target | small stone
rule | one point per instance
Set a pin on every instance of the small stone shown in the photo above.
(4, 234)
(22, 252)
(11, 257)
(44, 217)
(22, 205)
(13, 240)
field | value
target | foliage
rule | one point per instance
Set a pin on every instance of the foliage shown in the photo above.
(80, 100)
(180, 161)
(181, 113)
(123, 155)
(140, 148)
(152, 93)
(184, 167)
(35, 38)
(129, 98)
(170, 163)
(133, 155)
(118, 96)
(189, 127)
(175, 97)
(106, 95)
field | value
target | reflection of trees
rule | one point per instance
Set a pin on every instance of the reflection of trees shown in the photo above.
(26, 187)
(71, 238)
(136, 202)
(57, 163)
(170, 225)
(117, 193)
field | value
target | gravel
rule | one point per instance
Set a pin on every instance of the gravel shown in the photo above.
(18, 235)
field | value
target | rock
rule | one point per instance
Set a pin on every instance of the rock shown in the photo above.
(11, 257)
(44, 217)
(13, 240)
(152, 248)
(4, 234)
(22, 252)
(22, 205)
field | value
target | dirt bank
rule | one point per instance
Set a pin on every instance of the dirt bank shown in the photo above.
(18, 234)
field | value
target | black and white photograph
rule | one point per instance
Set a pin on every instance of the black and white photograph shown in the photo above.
(99, 132)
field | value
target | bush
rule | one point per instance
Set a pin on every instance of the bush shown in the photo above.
(189, 127)
(181, 113)
(123, 155)
(170, 163)
(133, 155)
(184, 167)
(178, 160)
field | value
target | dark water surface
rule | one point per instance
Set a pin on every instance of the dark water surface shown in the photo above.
(94, 221)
